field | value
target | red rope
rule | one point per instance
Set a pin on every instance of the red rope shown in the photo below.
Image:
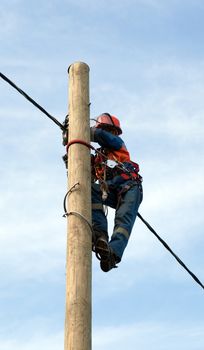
(81, 142)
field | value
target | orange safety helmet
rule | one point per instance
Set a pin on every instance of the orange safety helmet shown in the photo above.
(109, 120)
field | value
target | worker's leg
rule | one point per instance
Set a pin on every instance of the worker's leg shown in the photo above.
(124, 219)
(99, 220)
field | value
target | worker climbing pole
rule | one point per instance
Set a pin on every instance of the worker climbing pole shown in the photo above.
(79, 242)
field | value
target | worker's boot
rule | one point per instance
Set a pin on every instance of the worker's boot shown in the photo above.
(104, 253)
(96, 234)
(102, 248)
(110, 262)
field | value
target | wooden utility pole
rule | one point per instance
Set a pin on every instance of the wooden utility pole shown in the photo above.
(79, 242)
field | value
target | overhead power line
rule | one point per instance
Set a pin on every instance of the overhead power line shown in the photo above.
(32, 101)
(170, 250)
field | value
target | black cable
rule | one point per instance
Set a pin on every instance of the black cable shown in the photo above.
(32, 101)
(170, 250)
(68, 192)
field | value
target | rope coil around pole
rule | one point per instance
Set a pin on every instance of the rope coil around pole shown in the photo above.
(80, 216)
(81, 142)
(65, 197)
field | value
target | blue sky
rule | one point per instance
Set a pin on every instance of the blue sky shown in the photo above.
(146, 60)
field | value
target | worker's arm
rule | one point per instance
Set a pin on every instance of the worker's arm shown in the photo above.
(106, 139)
(103, 138)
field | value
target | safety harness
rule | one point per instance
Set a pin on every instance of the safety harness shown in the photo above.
(102, 171)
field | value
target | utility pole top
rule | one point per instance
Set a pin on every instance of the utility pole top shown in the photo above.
(78, 65)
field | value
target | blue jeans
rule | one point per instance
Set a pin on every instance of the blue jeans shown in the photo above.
(126, 205)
